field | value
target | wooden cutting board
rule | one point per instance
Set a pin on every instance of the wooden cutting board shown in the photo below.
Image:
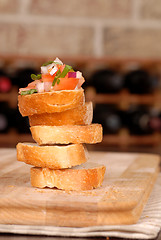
(128, 182)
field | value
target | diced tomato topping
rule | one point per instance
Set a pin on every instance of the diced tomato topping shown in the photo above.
(66, 84)
(74, 81)
(61, 67)
(47, 77)
(24, 89)
(33, 84)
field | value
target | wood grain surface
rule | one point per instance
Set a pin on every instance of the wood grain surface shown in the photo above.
(128, 182)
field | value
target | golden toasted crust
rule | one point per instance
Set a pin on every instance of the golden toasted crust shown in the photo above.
(67, 134)
(49, 102)
(68, 179)
(81, 115)
(54, 157)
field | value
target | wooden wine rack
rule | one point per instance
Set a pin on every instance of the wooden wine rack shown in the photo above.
(10, 97)
(123, 139)
(123, 99)
(11, 138)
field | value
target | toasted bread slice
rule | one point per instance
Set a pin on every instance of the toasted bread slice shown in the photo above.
(81, 115)
(85, 177)
(49, 102)
(54, 157)
(67, 134)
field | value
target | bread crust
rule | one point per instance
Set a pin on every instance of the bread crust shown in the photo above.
(54, 157)
(67, 134)
(49, 102)
(68, 179)
(81, 115)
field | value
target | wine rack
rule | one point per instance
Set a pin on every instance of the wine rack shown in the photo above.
(11, 138)
(123, 99)
(10, 97)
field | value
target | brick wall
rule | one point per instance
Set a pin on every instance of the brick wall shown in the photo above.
(113, 28)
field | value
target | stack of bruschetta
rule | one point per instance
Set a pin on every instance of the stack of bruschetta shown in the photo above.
(61, 123)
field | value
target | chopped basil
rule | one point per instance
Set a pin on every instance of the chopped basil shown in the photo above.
(50, 62)
(58, 63)
(47, 63)
(36, 77)
(56, 77)
(66, 69)
(31, 91)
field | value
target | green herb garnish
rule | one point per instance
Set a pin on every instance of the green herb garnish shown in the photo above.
(58, 81)
(50, 62)
(56, 77)
(58, 63)
(31, 91)
(66, 69)
(36, 77)
(47, 63)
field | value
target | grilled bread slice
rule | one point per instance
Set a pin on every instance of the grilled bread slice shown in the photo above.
(54, 157)
(81, 115)
(80, 178)
(49, 102)
(67, 134)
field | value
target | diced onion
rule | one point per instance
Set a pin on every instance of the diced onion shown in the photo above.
(47, 86)
(44, 69)
(57, 60)
(40, 87)
(54, 70)
(71, 74)
(78, 74)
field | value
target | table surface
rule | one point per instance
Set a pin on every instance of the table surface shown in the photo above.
(154, 149)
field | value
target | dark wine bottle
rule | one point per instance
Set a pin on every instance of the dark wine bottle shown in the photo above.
(23, 77)
(5, 82)
(4, 117)
(155, 120)
(107, 81)
(109, 118)
(138, 121)
(140, 82)
(20, 123)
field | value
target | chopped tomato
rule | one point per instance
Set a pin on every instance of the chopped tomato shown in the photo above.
(33, 84)
(61, 67)
(66, 84)
(24, 89)
(47, 77)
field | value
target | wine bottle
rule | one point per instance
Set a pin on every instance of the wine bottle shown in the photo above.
(155, 120)
(4, 117)
(20, 123)
(108, 117)
(140, 82)
(23, 77)
(5, 82)
(138, 121)
(107, 81)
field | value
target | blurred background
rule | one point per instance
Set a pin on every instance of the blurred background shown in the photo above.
(117, 46)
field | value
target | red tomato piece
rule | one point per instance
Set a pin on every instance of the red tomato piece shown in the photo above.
(66, 84)
(47, 77)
